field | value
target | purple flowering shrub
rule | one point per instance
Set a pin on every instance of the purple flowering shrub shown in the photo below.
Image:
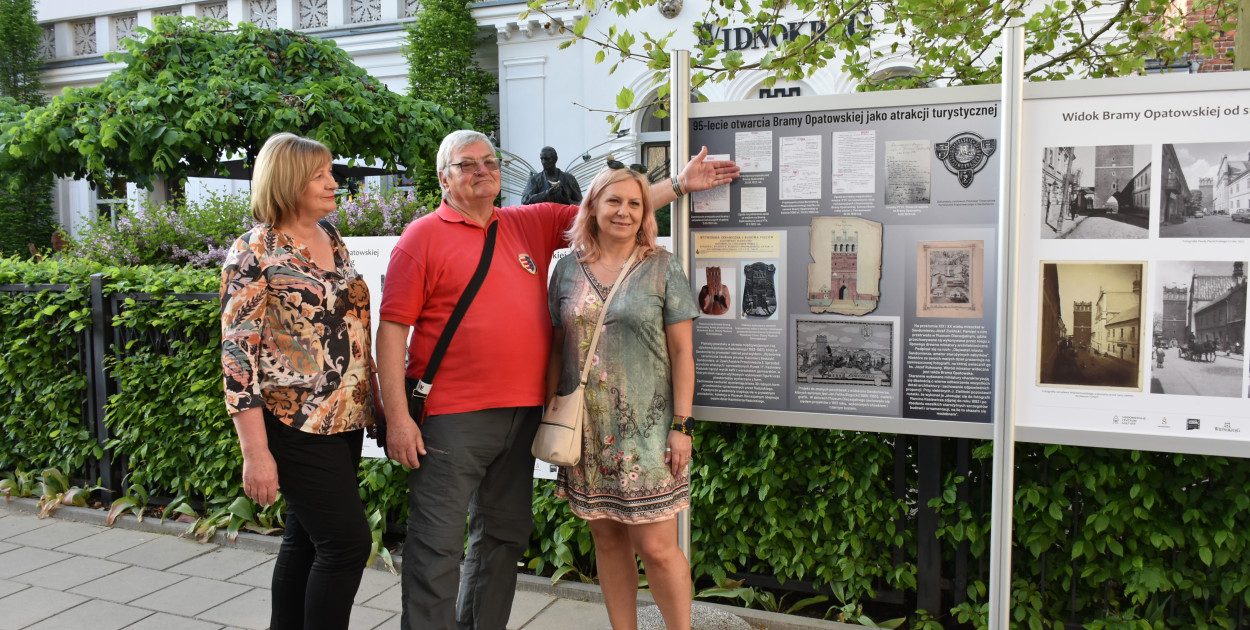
(192, 233)
(382, 214)
(198, 233)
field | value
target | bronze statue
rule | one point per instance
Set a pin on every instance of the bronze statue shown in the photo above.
(551, 185)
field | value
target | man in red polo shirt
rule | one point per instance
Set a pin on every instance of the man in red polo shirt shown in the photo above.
(472, 453)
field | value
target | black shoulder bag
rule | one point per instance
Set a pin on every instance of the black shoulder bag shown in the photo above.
(418, 390)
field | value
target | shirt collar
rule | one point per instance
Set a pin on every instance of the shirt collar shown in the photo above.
(449, 214)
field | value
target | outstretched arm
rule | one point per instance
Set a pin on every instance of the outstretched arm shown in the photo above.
(698, 174)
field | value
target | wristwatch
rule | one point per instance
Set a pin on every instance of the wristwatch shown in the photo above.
(682, 424)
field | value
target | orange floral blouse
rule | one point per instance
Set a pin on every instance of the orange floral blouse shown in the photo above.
(295, 337)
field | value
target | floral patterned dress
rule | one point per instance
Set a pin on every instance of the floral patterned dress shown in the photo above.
(629, 393)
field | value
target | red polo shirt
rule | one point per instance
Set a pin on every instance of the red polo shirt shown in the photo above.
(498, 357)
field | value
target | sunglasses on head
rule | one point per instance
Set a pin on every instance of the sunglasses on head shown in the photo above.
(637, 168)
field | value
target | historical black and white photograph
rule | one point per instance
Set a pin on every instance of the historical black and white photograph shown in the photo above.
(1090, 331)
(949, 279)
(1096, 192)
(844, 352)
(759, 290)
(1205, 190)
(1199, 328)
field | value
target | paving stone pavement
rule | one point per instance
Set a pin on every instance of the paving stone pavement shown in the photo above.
(63, 574)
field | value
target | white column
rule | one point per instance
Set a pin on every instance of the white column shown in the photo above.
(288, 16)
(103, 34)
(63, 33)
(338, 13)
(391, 10)
(236, 10)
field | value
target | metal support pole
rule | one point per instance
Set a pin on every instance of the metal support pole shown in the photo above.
(1004, 412)
(928, 552)
(101, 329)
(679, 149)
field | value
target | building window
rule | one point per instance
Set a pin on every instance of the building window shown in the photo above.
(84, 38)
(263, 13)
(110, 196)
(412, 8)
(123, 28)
(216, 11)
(366, 11)
(313, 14)
(48, 46)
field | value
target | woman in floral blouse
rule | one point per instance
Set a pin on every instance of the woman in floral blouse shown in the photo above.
(298, 362)
(633, 477)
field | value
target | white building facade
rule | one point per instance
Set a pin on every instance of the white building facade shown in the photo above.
(547, 96)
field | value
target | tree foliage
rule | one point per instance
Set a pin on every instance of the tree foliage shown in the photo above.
(26, 215)
(946, 42)
(20, 58)
(190, 91)
(441, 67)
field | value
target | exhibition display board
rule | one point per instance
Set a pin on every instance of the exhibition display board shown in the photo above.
(851, 278)
(854, 277)
(1058, 263)
(1134, 235)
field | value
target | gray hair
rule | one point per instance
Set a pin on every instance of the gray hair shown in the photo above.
(456, 141)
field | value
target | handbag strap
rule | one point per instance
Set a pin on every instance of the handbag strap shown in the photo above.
(422, 388)
(603, 313)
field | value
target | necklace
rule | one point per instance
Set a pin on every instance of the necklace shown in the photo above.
(603, 261)
(619, 267)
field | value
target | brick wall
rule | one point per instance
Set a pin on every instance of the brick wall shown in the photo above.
(1224, 44)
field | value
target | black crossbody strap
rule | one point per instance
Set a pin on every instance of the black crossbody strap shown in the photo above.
(422, 388)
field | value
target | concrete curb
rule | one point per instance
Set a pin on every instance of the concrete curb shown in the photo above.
(575, 591)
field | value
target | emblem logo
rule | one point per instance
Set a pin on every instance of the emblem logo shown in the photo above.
(965, 154)
(527, 263)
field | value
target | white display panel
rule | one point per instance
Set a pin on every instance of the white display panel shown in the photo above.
(1134, 242)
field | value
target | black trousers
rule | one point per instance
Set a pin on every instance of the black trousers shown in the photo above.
(327, 538)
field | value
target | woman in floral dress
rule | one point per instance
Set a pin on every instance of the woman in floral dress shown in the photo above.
(634, 475)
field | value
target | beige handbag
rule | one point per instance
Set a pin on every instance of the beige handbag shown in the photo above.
(559, 437)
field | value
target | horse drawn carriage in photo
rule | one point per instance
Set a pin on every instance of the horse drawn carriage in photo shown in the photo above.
(1198, 350)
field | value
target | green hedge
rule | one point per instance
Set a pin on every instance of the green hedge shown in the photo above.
(1136, 539)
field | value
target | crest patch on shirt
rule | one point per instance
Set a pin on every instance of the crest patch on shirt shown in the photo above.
(527, 263)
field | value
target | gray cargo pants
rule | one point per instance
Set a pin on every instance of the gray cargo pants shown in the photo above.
(480, 463)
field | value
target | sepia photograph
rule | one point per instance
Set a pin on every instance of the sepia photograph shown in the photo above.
(1199, 328)
(1096, 192)
(1205, 190)
(1090, 331)
(844, 352)
(949, 277)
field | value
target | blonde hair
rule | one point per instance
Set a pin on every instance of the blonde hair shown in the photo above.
(583, 235)
(284, 167)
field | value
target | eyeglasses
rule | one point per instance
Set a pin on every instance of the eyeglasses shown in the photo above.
(471, 166)
(637, 168)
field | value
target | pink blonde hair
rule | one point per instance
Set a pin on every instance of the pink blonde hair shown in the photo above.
(583, 235)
